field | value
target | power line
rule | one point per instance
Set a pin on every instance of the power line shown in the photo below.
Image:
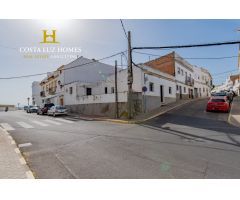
(225, 72)
(124, 29)
(191, 45)
(32, 75)
(203, 58)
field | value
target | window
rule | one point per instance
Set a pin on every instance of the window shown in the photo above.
(181, 71)
(70, 90)
(112, 89)
(106, 90)
(88, 91)
(177, 87)
(186, 74)
(151, 87)
(184, 89)
(170, 90)
(178, 70)
(203, 89)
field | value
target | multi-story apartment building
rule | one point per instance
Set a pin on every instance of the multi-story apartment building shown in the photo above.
(52, 87)
(202, 82)
(176, 66)
(187, 85)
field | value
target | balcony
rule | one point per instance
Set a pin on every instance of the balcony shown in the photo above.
(42, 94)
(51, 91)
(189, 81)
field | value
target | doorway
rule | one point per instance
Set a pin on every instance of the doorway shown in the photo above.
(161, 93)
(180, 92)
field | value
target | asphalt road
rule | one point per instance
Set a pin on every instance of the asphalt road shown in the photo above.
(186, 142)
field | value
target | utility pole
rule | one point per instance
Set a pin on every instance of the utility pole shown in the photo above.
(116, 91)
(130, 77)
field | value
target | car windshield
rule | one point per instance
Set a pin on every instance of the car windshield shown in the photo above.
(50, 105)
(220, 94)
(60, 107)
(218, 100)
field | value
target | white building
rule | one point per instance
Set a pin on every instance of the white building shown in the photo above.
(191, 81)
(232, 83)
(202, 82)
(99, 98)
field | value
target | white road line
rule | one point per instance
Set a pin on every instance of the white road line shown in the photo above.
(7, 127)
(24, 125)
(25, 145)
(22, 161)
(64, 120)
(40, 123)
(29, 175)
(52, 122)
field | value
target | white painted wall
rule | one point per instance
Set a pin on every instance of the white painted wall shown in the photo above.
(92, 73)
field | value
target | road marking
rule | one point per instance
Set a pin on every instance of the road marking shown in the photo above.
(22, 161)
(24, 125)
(236, 117)
(7, 127)
(40, 123)
(17, 150)
(64, 120)
(29, 175)
(25, 145)
(52, 122)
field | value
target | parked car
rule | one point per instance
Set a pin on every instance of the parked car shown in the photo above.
(57, 110)
(28, 109)
(218, 103)
(43, 110)
(25, 108)
(33, 109)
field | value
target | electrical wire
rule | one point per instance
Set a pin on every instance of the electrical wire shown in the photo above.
(203, 58)
(190, 45)
(32, 75)
(124, 29)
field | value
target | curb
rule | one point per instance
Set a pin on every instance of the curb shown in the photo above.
(22, 161)
(143, 120)
(231, 120)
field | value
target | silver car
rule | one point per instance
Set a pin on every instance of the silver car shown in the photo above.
(57, 110)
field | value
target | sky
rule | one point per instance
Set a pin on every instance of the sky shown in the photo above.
(101, 38)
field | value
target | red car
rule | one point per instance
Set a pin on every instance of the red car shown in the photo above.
(218, 103)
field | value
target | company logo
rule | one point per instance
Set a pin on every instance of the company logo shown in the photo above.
(49, 38)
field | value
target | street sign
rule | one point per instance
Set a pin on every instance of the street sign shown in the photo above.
(144, 89)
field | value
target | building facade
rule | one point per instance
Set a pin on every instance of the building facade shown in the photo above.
(88, 86)
(191, 81)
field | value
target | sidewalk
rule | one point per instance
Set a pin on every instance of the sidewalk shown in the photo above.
(234, 116)
(12, 164)
(140, 118)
